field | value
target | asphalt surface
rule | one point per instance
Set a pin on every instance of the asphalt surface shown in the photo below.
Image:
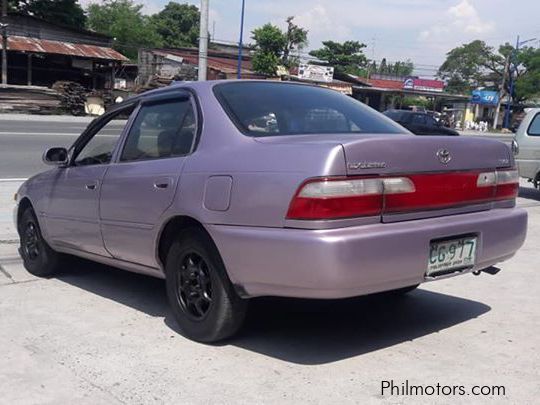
(23, 142)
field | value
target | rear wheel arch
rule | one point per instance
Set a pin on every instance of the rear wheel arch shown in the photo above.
(171, 230)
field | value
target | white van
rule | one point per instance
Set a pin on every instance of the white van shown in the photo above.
(526, 147)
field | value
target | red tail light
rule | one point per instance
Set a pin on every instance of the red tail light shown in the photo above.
(348, 197)
(507, 185)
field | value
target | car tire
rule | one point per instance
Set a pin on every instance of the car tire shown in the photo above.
(38, 257)
(203, 300)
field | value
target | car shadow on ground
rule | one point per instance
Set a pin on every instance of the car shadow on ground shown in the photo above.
(300, 331)
(530, 193)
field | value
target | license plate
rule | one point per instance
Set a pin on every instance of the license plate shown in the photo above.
(454, 254)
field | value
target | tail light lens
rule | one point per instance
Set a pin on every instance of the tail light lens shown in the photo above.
(344, 198)
(504, 182)
(333, 198)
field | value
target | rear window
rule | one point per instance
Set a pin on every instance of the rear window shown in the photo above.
(272, 109)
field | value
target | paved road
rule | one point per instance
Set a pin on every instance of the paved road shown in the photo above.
(22, 143)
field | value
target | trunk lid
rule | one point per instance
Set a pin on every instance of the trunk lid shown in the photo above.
(421, 154)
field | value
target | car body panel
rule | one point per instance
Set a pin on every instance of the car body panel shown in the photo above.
(134, 196)
(357, 260)
(528, 157)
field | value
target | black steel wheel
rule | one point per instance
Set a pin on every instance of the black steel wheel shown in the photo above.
(194, 286)
(38, 257)
(30, 241)
(201, 296)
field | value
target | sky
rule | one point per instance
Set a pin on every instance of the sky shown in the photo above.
(420, 30)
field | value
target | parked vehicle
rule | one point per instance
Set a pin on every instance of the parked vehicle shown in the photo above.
(239, 189)
(419, 123)
(526, 146)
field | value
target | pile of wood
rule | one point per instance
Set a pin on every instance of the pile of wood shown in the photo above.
(182, 73)
(72, 96)
(153, 82)
(29, 100)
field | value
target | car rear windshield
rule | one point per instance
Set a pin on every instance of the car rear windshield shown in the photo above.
(271, 109)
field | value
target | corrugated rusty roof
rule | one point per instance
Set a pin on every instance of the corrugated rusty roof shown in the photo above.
(216, 60)
(27, 44)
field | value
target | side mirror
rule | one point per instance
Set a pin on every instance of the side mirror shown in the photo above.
(56, 156)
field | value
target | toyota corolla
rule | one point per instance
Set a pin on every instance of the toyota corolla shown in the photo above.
(239, 189)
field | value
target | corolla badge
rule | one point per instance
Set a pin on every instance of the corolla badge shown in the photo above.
(367, 165)
(444, 156)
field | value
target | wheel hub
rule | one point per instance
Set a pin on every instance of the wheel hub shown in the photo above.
(194, 289)
(31, 241)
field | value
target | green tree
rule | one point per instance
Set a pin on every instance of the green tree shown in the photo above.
(346, 58)
(177, 24)
(528, 81)
(402, 68)
(63, 12)
(123, 20)
(399, 68)
(476, 65)
(295, 41)
(473, 65)
(274, 46)
(269, 44)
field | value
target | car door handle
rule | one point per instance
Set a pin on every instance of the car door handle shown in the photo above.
(91, 186)
(161, 185)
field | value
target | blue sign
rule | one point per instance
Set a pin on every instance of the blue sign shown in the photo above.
(485, 97)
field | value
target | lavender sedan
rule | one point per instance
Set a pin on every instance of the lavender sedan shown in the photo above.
(231, 190)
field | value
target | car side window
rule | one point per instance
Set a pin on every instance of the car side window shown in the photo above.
(534, 127)
(431, 121)
(161, 130)
(419, 119)
(99, 149)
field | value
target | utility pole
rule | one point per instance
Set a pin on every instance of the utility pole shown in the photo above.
(203, 41)
(501, 92)
(511, 90)
(3, 27)
(240, 42)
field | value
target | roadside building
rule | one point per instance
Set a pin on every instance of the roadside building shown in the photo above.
(385, 92)
(39, 53)
(163, 65)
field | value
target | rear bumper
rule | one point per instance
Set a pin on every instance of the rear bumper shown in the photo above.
(346, 262)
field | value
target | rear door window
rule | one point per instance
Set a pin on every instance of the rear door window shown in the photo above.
(161, 130)
(534, 127)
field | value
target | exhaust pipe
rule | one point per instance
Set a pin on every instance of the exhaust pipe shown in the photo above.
(490, 270)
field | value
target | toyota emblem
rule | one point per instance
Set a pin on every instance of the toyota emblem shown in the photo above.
(444, 156)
